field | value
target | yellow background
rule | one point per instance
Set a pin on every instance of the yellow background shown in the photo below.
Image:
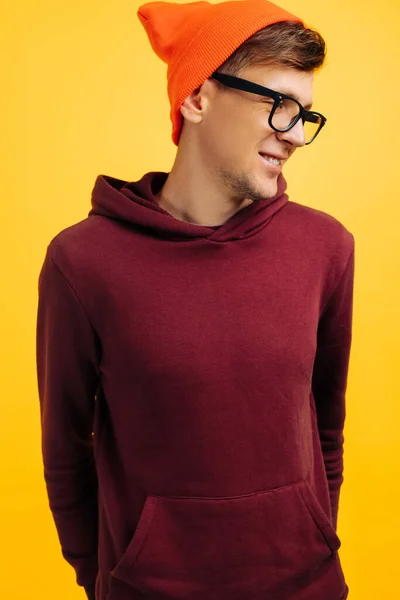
(83, 94)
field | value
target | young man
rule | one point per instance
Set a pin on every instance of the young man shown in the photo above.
(194, 336)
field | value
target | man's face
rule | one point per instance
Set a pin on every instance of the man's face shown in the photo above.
(234, 132)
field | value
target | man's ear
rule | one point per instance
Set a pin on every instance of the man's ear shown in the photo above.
(194, 106)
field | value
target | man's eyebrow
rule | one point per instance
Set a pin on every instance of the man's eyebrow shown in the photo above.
(295, 96)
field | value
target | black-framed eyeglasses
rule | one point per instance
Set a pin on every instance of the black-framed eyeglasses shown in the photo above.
(285, 111)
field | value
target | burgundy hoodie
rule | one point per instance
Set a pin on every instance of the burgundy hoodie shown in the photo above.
(192, 385)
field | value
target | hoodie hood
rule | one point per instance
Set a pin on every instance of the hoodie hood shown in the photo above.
(135, 203)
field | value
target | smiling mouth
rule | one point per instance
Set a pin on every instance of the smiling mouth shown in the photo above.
(271, 159)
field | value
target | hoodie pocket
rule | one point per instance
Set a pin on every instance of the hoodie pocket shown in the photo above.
(257, 546)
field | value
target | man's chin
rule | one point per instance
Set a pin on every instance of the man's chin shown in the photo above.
(270, 188)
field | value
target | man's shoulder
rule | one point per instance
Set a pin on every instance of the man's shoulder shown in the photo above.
(73, 238)
(315, 217)
(319, 226)
(78, 247)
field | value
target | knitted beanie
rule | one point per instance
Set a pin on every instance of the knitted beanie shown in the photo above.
(195, 39)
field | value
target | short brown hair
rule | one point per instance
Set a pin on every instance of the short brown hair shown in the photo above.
(283, 44)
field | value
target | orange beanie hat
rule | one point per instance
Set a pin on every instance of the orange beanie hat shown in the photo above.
(195, 39)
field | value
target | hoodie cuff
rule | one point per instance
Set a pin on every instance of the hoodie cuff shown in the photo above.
(87, 571)
(90, 591)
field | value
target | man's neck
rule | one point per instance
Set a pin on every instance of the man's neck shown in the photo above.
(190, 194)
(188, 200)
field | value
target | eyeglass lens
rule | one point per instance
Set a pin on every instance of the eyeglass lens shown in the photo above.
(286, 113)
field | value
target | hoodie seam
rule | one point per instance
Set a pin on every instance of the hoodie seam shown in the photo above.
(75, 294)
(337, 284)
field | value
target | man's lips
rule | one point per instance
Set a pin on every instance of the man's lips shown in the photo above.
(272, 161)
(272, 155)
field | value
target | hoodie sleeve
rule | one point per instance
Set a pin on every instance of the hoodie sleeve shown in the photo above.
(330, 379)
(67, 370)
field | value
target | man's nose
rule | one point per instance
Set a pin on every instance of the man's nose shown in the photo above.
(294, 136)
